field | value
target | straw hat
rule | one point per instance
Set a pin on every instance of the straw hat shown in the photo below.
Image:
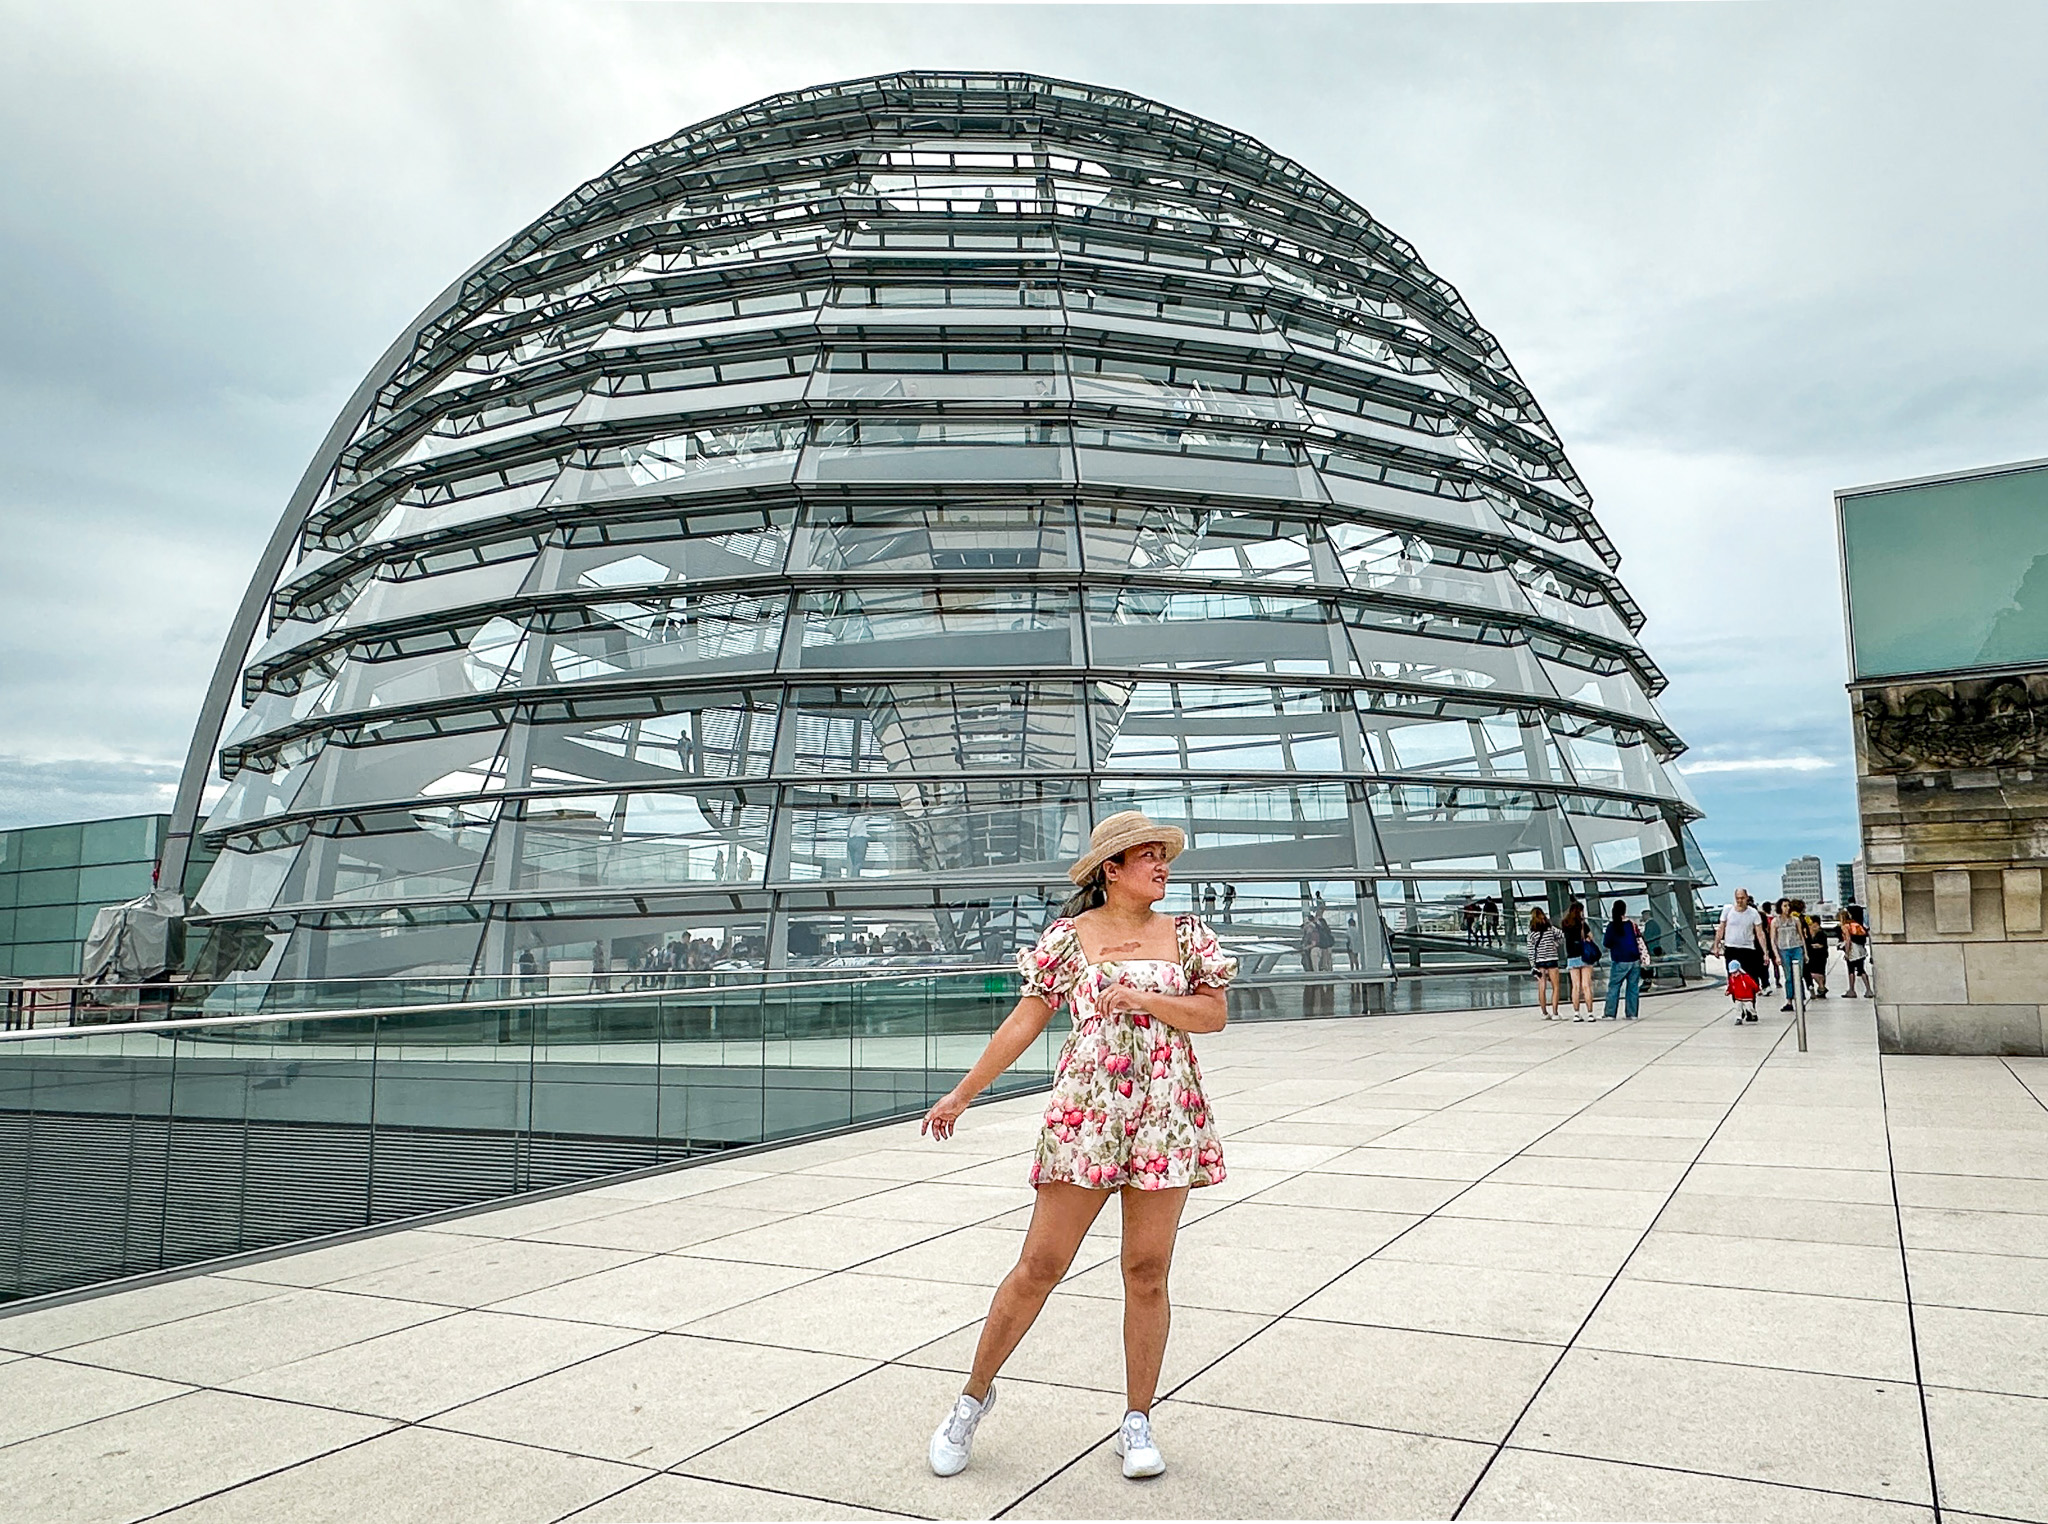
(1119, 832)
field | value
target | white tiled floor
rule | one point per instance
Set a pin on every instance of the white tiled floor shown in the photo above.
(1466, 1265)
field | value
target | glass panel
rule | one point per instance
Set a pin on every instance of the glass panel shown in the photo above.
(1200, 542)
(961, 375)
(1202, 459)
(567, 842)
(1948, 575)
(391, 855)
(1481, 745)
(242, 879)
(954, 450)
(1212, 727)
(654, 552)
(1214, 631)
(51, 846)
(684, 632)
(924, 538)
(254, 794)
(722, 735)
(1429, 662)
(1188, 394)
(1407, 565)
(1623, 837)
(887, 830)
(1236, 828)
(47, 886)
(489, 659)
(130, 840)
(617, 944)
(1619, 691)
(418, 942)
(1441, 829)
(978, 935)
(919, 728)
(911, 627)
(433, 766)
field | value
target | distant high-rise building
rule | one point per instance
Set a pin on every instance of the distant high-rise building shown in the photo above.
(1845, 884)
(1802, 880)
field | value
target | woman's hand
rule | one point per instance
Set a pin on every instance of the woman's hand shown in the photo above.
(940, 1119)
(1119, 998)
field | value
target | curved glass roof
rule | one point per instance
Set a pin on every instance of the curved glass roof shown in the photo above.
(782, 551)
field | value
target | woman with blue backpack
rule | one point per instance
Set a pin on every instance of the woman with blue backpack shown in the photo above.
(1623, 940)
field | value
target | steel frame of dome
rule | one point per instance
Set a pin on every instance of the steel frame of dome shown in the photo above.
(809, 526)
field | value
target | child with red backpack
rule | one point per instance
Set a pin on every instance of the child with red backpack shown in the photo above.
(1742, 989)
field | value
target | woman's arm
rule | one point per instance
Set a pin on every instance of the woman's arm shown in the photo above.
(1006, 1045)
(1203, 1011)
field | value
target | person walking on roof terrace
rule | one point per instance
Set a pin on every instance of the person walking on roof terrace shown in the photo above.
(1127, 1113)
(1623, 940)
(1739, 938)
(1788, 950)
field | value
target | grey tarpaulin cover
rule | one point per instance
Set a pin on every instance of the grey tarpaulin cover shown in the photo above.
(136, 941)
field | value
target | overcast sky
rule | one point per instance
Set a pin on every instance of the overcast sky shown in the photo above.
(1744, 254)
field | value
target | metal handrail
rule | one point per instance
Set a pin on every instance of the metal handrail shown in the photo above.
(207, 1023)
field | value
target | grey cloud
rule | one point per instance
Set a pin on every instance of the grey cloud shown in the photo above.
(39, 791)
(1742, 253)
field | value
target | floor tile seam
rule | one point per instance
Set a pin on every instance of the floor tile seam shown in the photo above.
(633, 1257)
(1989, 1391)
(1674, 1280)
(815, 1275)
(263, 1476)
(1335, 1423)
(1723, 1476)
(276, 1292)
(2005, 1063)
(28, 1439)
(806, 1497)
(1447, 1333)
(870, 1365)
(1912, 1315)
(68, 1353)
(1614, 1349)
(689, 1330)
(687, 1251)
(220, 1389)
(1761, 1061)
(2013, 1312)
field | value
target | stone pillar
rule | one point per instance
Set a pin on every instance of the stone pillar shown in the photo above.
(1952, 783)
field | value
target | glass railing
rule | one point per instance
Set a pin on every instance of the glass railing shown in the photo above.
(140, 1147)
(146, 1137)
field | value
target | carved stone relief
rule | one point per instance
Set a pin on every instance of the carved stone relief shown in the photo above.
(1966, 723)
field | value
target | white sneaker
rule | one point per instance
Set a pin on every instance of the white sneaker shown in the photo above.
(953, 1441)
(1134, 1443)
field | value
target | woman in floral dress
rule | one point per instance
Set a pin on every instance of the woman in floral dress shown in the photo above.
(1126, 1113)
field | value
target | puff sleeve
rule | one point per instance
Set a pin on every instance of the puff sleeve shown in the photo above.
(1052, 967)
(1205, 962)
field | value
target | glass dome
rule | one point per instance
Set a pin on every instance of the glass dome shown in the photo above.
(780, 553)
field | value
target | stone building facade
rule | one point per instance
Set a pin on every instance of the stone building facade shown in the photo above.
(1952, 782)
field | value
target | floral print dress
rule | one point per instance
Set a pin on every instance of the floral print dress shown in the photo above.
(1127, 1107)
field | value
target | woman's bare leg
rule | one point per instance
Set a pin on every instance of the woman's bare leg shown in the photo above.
(1151, 1219)
(1060, 1219)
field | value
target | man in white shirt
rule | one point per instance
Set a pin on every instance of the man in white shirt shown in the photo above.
(1740, 936)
